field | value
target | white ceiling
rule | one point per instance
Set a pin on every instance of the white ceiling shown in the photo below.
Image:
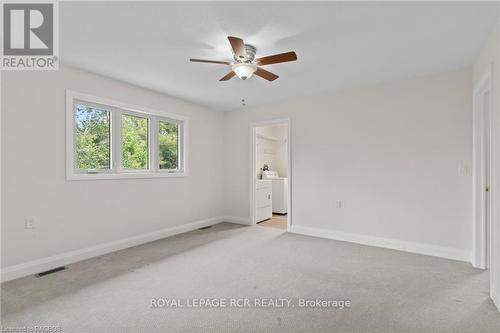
(339, 44)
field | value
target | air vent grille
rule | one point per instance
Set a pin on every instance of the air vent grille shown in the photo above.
(51, 271)
(207, 227)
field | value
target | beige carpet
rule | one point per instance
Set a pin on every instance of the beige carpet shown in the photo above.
(390, 291)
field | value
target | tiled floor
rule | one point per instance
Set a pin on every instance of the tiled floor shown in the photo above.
(277, 221)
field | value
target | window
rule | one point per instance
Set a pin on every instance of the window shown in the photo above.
(135, 142)
(108, 139)
(93, 138)
(168, 138)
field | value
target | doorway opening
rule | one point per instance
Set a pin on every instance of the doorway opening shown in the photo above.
(482, 173)
(271, 174)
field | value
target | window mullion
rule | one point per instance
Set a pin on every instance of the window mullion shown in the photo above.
(180, 147)
(117, 140)
(153, 144)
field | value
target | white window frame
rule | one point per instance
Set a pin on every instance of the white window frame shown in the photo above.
(117, 109)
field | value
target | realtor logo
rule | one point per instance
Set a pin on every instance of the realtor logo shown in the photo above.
(29, 36)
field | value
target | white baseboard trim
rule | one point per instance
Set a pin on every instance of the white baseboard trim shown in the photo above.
(412, 247)
(44, 264)
(237, 220)
(495, 297)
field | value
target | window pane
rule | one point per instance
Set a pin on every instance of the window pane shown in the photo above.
(92, 138)
(169, 145)
(135, 142)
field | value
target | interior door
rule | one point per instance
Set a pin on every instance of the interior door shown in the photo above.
(487, 176)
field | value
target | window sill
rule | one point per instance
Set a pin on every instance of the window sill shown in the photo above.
(125, 175)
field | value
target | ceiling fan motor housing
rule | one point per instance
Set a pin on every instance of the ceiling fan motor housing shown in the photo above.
(249, 56)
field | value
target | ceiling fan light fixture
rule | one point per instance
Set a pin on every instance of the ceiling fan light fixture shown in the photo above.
(244, 70)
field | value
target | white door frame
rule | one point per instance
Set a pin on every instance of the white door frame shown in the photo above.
(253, 176)
(480, 230)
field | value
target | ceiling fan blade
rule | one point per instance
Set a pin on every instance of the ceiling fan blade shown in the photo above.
(277, 58)
(228, 76)
(238, 46)
(211, 61)
(266, 74)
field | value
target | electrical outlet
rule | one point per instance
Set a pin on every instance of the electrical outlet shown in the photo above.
(29, 223)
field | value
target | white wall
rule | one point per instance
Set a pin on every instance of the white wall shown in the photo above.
(398, 155)
(271, 149)
(72, 215)
(281, 132)
(489, 59)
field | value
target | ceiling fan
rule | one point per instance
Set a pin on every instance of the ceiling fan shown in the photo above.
(245, 64)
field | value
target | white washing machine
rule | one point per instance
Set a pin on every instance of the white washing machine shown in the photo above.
(263, 200)
(280, 191)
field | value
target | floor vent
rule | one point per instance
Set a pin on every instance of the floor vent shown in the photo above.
(207, 227)
(51, 271)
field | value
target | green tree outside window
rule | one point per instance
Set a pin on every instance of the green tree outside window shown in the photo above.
(135, 142)
(92, 138)
(169, 145)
